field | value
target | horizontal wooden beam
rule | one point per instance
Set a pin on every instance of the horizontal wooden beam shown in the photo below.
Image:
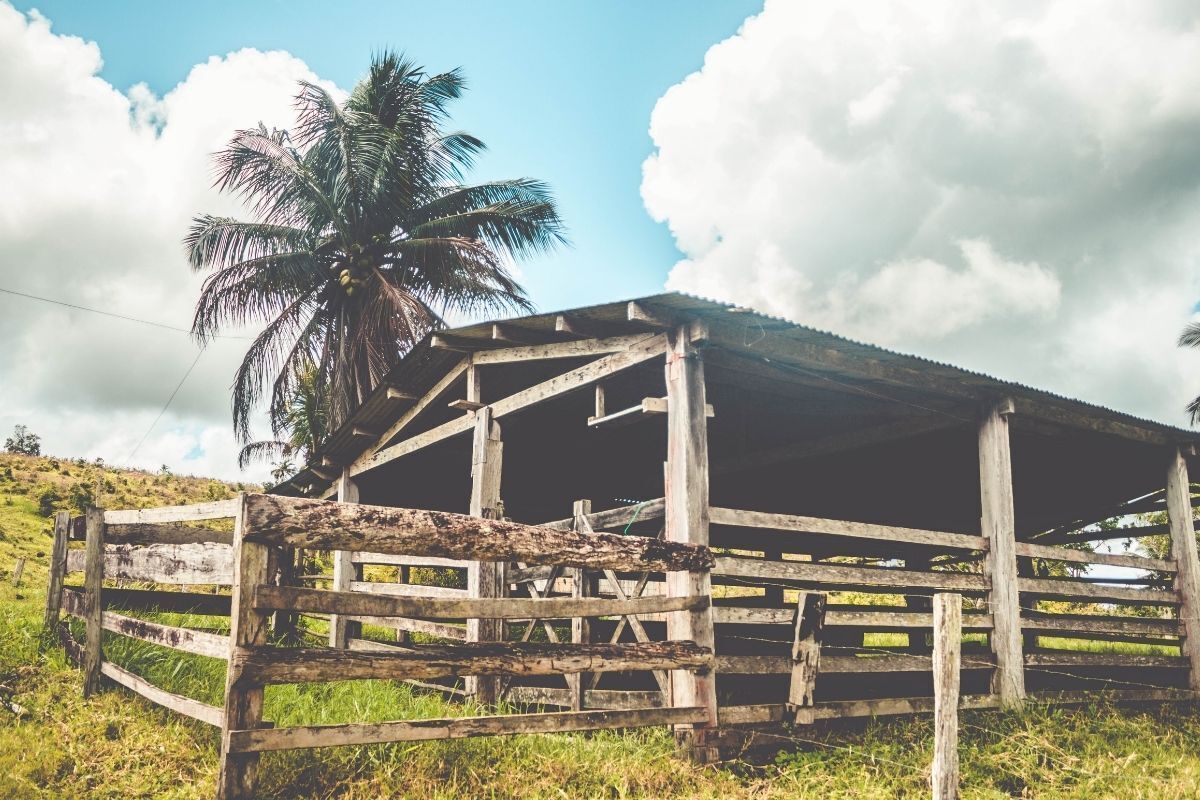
(649, 407)
(841, 528)
(1088, 557)
(164, 533)
(406, 589)
(260, 740)
(842, 664)
(407, 561)
(574, 349)
(1084, 591)
(219, 509)
(868, 578)
(159, 600)
(615, 517)
(272, 665)
(174, 702)
(835, 617)
(323, 525)
(206, 563)
(1067, 624)
(1070, 658)
(611, 699)
(187, 640)
(290, 598)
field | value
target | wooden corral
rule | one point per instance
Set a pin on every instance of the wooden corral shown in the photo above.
(803, 471)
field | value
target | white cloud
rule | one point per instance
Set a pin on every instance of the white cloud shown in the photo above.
(99, 187)
(1015, 188)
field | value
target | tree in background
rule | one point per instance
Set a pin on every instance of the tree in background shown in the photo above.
(1191, 338)
(298, 432)
(23, 441)
(364, 237)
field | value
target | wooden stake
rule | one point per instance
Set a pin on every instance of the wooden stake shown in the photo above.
(1183, 550)
(18, 569)
(345, 572)
(580, 626)
(485, 578)
(999, 527)
(806, 652)
(686, 514)
(947, 651)
(93, 581)
(58, 569)
(247, 628)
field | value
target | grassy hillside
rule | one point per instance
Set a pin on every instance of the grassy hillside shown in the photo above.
(54, 744)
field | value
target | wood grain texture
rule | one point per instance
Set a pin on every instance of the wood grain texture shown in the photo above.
(269, 665)
(174, 702)
(320, 524)
(947, 658)
(180, 564)
(1183, 551)
(790, 523)
(58, 570)
(93, 582)
(218, 509)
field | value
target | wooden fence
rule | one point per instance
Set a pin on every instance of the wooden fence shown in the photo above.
(151, 547)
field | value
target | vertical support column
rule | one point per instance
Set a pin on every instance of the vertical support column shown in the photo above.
(998, 525)
(947, 652)
(345, 572)
(93, 582)
(581, 629)
(485, 578)
(1183, 550)
(686, 493)
(916, 636)
(247, 628)
(58, 570)
(806, 654)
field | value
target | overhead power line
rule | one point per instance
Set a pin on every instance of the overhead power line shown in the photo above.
(113, 314)
(178, 386)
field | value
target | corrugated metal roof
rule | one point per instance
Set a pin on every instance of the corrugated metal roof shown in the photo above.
(424, 365)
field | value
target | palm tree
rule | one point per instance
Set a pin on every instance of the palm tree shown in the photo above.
(1191, 338)
(363, 239)
(298, 433)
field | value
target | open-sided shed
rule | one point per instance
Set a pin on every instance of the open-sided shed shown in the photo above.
(808, 461)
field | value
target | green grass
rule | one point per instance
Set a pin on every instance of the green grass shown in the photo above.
(116, 745)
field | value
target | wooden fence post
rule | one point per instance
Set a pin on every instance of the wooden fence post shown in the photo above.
(686, 511)
(806, 654)
(93, 582)
(947, 651)
(1183, 550)
(247, 628)
(998, 524)
(58, 570)
(345, 571)
(485, 578)
(580, 626)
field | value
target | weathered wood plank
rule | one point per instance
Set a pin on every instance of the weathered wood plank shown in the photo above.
(269, 665)
(248, 628)
(947, 654)
(998, 524)
(157, 600)
(175, 702)
(614, 517)
(844, 575)
(319, 524)
(842, 617)
(455, 728)
(345, 571)
(806, 649)
(206, 563)
(406, 589)
(842, 528)
(1062, 589)
(187, 640)
(841, 664)
(430, 398)
(1072, 658)
(1183, 551)
(612, 699)
(322, 601)
(485, 578)
(407, 561)
(217, 509)
(93, 582)
(58, 570)
(1080, 557)
(580, 348)
(165, 533)
(1067, 624)
(409, 625)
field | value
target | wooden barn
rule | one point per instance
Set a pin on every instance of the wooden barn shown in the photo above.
(806, 461)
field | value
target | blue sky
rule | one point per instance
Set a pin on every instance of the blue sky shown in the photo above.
(558, 91)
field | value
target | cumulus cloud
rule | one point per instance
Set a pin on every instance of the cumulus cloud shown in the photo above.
(1014, 187)
(100, 185)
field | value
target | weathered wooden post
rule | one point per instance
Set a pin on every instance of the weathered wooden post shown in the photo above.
(947, 652)
(247, 628)
(345, 572)
(998, 525)
(93, 583)
(581, 631)
(58, 570)
(485, 578)
(1183, 550)
(806, 654)
(686, 509)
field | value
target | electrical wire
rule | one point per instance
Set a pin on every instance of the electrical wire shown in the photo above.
(166, 405)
